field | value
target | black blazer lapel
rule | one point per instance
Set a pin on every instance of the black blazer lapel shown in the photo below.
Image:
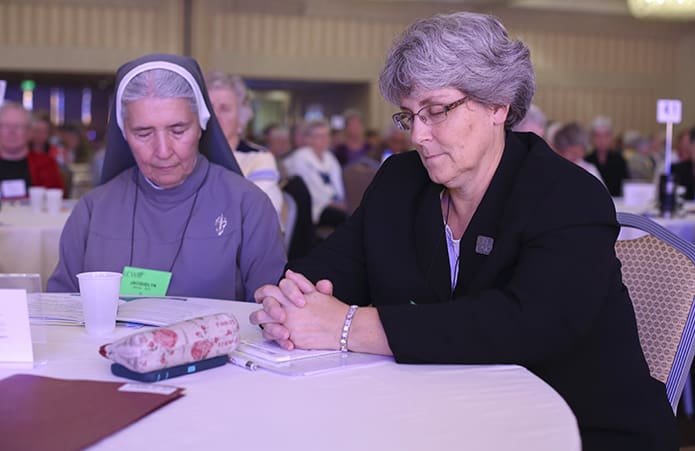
(483, 233)
(430, 243)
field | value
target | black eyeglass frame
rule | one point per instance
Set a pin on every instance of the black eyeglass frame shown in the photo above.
(427, 120)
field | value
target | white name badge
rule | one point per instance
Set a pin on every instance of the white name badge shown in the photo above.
(13, 188)
(668, 111)
(15, 334)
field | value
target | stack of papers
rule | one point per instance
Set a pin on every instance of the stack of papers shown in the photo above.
(66, 308)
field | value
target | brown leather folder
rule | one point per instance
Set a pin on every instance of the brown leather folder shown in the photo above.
(43, 413)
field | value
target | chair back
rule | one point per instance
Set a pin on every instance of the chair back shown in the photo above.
(356, 177)
(659, 271)
(289, 218)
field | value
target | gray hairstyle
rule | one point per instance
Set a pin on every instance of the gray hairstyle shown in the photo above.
(467, 51)
(352, 113)
(310, 126)
(160, 84)
(279, 130)
(570, 135)
(221, 80)
(534, 115)
(601, 123)
(9, 105)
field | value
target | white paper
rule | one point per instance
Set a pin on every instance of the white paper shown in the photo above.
(55, 307)
(13, 188)
(317, 364)
(15, 334)
(148, 388)
(668, 111)
(272, 352)
(67, 307)
(161, 311)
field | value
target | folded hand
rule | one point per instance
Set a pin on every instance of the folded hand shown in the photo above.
(298, 313)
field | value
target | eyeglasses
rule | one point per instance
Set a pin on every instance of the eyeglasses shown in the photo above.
(429, 114)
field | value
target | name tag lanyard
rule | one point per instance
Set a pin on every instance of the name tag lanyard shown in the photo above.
(185, 227)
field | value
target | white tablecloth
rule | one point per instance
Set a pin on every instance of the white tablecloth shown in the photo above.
(381, 407)
(29, 241)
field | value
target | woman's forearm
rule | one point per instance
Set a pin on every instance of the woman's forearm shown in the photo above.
(367, 333)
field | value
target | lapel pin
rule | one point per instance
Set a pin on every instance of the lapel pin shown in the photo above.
(483, 245)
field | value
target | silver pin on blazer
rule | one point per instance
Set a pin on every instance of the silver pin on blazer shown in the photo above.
(483, 245)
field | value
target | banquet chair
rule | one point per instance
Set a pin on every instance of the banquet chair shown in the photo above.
(356, 177)
(659, 271)
(289, 218)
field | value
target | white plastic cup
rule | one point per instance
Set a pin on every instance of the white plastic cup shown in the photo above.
(37, 195)
(99, 292)
(54, 200)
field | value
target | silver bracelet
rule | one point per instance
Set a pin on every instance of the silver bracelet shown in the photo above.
(346, 328)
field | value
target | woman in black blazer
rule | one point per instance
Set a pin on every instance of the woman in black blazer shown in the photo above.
(481, 247)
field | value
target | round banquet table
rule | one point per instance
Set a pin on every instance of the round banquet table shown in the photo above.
(385, 406)
(29, 241)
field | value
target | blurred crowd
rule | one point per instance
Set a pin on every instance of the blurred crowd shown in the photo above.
(314, 174)
(615, 157)
(34, 151)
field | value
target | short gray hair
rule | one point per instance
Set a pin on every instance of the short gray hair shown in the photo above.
(602, 123)
(9, 105)
(570, 135)
(221, 80)
(158, 83)
(310, 126)
(534, 116)
(467, 51)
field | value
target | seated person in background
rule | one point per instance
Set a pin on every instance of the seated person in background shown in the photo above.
(321, 173)
(395, 141)
(354, 144)
(41, 133)
(459, 252)
(373, 140)
(76, 148)
(19, 167)
(277, 140)
(571, 141)
(682, 146)
(229, 100)
(534, 121)
(173, 198)
(608, 160)
(684, 170)
(637, 153)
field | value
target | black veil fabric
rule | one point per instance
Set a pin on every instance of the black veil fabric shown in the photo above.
(213, 144)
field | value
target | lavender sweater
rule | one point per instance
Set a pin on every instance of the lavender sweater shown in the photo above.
(232, 245)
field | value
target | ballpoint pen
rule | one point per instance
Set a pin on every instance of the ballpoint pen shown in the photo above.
(243, 362)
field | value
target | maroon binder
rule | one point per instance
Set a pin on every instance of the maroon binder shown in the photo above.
(44, 413)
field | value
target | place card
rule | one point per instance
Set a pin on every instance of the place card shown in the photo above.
(144, 282)
(15, 334)
(668, 111)
(13, 188)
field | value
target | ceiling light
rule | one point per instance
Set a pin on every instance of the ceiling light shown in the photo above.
(662, 9)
